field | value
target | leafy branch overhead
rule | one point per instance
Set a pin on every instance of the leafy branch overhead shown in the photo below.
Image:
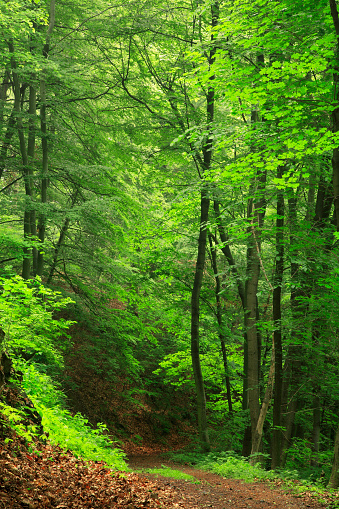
(168, 238)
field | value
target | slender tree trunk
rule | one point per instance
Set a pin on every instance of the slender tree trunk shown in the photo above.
(11, 121)
(30, 156)
(227, 252)
(335, 112)
(195, 312)
(256, 438)
(204, 211)
(220, 322)
(255, 214)
(61, 239)
(251, 289)
(3, 94)
(44, 180)
(44, 143)
(7, 141)
(18, 111)
(294, 355)
(323, 208)
(278, 278)
(246, 449)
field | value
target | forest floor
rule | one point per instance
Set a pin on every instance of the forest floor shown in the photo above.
(42, 476)
(213, 491)
(50, 478)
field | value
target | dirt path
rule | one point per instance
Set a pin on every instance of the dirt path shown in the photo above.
(219, 493)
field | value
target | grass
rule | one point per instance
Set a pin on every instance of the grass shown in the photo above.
(228, 464)
(170, 472)
(225, 464)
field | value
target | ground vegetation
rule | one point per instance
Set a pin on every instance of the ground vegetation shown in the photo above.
(169, 229)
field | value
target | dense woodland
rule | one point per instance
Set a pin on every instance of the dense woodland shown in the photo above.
(170, 181)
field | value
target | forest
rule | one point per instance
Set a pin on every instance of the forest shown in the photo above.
(169, 229)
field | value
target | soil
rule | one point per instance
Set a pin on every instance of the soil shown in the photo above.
(220, 493)
(43, 476)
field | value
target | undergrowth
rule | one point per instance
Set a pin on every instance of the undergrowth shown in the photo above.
(35, 342)
(226, 464)
(71, 432)
(170, 472)
(229, 464)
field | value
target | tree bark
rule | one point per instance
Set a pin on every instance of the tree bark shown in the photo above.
(44, 143)
(61, 239)
(255, 215)
(195, 312)
(30, 157)
(199, 270)
(44, 180)
(256, 438)
(278, 278)
(251, 289)
(220, 323)
(225, 248)
(24, 157)
(292, 369)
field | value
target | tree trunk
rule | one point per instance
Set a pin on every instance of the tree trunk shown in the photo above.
(220, 322)
(251, 289)
(26, 264)
(7, 141)
(42, 217)
(199, 270)
(30, 157)
(278, 277)
(294, 354)
(195, 311)
(334, 479)
(256, 438)
(255, 214)
(44, 143)
(227, 252)
(61, 239)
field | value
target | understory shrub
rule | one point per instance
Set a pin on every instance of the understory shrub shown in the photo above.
(72, 432)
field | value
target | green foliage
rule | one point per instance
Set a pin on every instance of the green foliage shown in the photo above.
(300, 457)
(126, 124)
(31, 331)
(27, 311)
(71, 432)
(172, 473)
(14, 419)
(226, 464)
(227, 431)
(229, 464)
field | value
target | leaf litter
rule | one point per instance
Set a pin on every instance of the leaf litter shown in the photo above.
(40, 475)
(49, 477)
(52, 478)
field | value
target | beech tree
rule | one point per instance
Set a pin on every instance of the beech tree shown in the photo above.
(179, 159)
